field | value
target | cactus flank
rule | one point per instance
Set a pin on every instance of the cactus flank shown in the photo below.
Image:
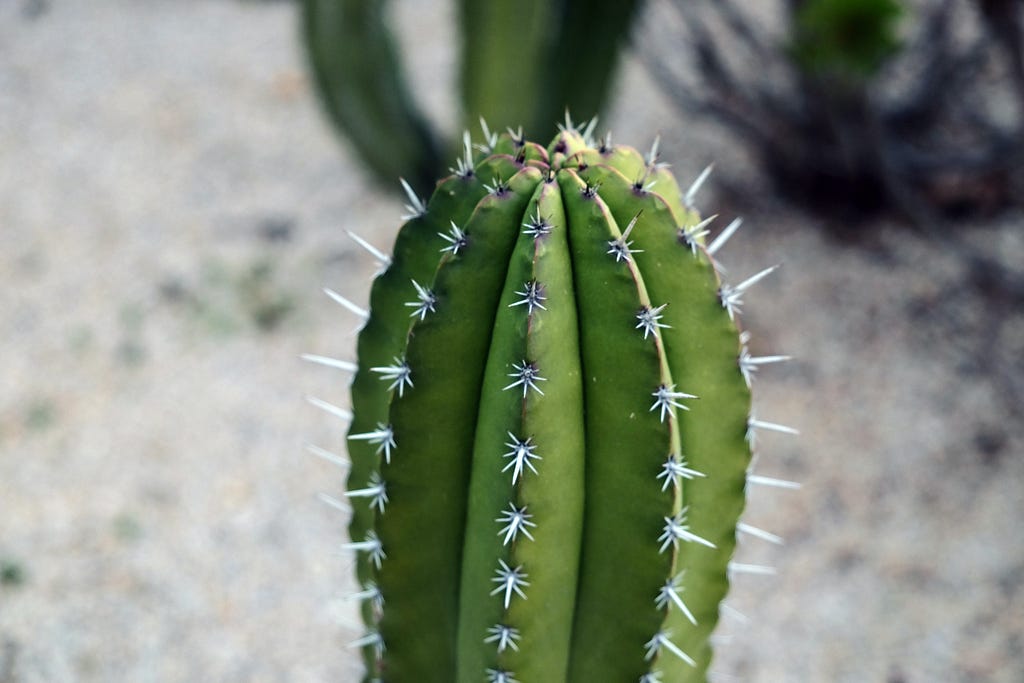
(551, 428)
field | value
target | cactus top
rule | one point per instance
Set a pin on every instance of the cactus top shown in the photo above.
(549, 441)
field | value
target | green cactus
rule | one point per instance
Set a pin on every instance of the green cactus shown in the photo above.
(551, 425)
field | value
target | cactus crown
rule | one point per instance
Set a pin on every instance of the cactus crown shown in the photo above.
(551, 429)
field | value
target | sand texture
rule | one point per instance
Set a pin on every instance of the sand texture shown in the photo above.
(171, 204)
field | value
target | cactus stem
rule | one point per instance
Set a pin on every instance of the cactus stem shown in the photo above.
(669, 593)
(383, 437)
(500, 676)
(505, 637)
(533, 297)
(328, 456)
(537, 226)
(526, 375)
(510, 581)
(760, 569)
(672, 471)
(346, 365)
(650, 320)
(382, 258)
(758, 480)
(331, 408)
(484, 261)
(335, 503)
(521, 455)
(621, 248)
(666, 399)
(416, 207)
(425, 301)
(676, 529)
(357, 310)
(515, 520)
(400, 374)
(751, 530)
(376, 492)
(661, 640)
(753, 424)
(372, 546)
(691, 236)
(456, 238)
(724, 236)
(691, 193)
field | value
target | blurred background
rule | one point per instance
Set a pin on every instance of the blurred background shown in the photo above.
(176, 179)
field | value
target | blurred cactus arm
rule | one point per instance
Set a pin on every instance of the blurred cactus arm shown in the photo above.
(584, 58)
(563, 52)
(361, 84)
(504, 53)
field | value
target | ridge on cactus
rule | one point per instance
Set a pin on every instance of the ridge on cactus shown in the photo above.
(551, 427)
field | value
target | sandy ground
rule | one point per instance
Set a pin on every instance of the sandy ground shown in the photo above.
(171, 203)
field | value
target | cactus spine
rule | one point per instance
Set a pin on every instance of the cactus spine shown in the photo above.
(551, 430)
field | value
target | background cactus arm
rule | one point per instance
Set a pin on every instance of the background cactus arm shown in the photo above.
(504, 48)
(362, 87)
(434, 424)
(585, 56)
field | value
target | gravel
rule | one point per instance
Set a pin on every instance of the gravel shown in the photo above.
(171, 202)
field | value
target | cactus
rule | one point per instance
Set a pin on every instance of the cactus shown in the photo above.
(551, 425)
(562, 52)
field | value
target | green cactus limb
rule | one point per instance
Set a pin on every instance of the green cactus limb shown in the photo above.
(552, 434)
(554, 57)
(362, 87)
(584, 75)
(504, 48)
